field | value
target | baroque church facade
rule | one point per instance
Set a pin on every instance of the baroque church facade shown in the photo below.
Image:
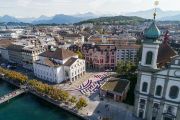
(157, 93)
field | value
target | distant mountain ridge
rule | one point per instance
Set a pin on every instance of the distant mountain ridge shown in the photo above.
(7, 18)
(161, 15)
(57, 19)
(70, 19)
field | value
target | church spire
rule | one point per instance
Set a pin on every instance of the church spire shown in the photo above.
(152, 33)
(156, 3)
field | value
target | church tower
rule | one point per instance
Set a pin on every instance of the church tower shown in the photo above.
(151, 46)
(157, 92)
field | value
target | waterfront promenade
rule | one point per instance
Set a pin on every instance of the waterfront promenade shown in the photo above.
(11, 95)
(95, 110)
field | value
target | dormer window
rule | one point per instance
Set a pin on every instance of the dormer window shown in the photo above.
(149, 57)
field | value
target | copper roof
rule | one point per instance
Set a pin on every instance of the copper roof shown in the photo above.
(165, 54)
(59, 53)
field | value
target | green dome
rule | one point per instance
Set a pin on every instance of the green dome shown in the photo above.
(152, 32)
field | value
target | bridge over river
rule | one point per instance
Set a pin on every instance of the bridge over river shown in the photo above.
(11, 95)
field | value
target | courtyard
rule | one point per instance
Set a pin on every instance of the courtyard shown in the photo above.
(88, 87)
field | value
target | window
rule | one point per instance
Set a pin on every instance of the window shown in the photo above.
(141, 113)
(149, 56)
(142, 103)
(112, 60)
(158, 90)
(170, 109)
(155, 107)
(153, 118)
(167, 118)
(174, 91)
(144, 86)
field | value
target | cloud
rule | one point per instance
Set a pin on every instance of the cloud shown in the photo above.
(51, 7)
(23, 3)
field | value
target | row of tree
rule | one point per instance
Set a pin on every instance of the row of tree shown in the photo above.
(16, 76)
(56, 94)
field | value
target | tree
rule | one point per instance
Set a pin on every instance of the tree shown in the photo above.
(73, 100)
(125, 67)
(80, 55)
(81, 103)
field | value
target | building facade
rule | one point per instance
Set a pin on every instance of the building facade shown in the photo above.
(30, 55)
(59, 65)
(101, 57)
(15, 53)
(157, 95)
(127, 53)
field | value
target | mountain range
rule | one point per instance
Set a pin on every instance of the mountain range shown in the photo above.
(56, 19)
(161, 14)
(70, 19)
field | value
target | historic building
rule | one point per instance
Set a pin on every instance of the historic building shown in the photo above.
(100, 56)
(58, 65)
(15, 53)
(157, 95)
(115, 89)
(30, 55)
(127, 53)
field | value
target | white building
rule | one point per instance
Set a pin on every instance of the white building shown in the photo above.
(127, 53)
(59, 65)
(157, 94)
(10, 33)
(30, 54)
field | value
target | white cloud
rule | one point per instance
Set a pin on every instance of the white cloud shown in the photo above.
(51, 7)
(23, 3)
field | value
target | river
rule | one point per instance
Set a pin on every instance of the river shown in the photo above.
(30, 107)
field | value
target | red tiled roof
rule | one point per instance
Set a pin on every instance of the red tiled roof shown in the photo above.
(49, 62)
(5, 43)
(59, 53)
(165, 54)
(128, 46)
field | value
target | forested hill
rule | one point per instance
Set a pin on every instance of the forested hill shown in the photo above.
(116, 20)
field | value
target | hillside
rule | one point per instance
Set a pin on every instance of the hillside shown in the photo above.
(116, 20)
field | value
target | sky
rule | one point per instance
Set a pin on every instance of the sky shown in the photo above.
(36, 8)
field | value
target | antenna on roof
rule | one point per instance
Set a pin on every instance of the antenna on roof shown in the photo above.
(156, 3)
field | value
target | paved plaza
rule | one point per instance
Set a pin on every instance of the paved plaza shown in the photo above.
(97, 109)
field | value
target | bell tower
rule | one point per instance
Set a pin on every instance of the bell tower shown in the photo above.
(151, 44)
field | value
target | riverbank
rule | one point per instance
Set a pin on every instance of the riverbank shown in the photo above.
(28, 107)
(61, 105)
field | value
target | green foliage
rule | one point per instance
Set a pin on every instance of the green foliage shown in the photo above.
(56, 94)
(16, 76)
(38, 86)
(73, 100)
(80, 55)
(81, 103)
(130, 95)
(125, 67)
(116, 20)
